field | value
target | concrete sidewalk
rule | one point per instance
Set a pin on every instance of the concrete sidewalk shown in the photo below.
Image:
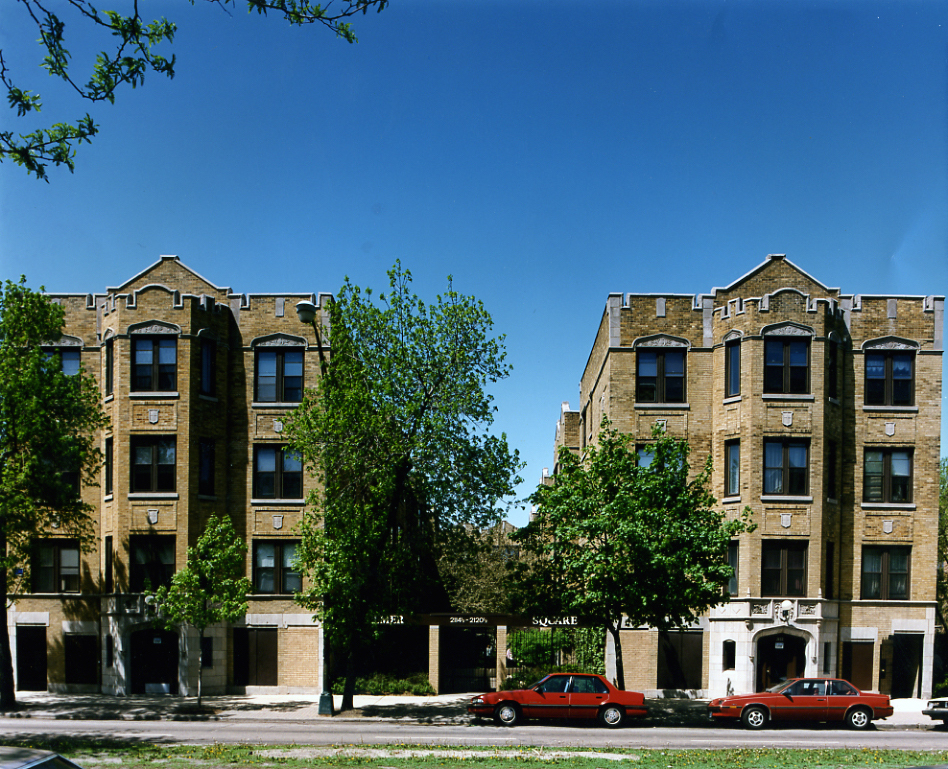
(443, 709)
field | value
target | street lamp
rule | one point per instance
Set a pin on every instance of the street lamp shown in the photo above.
(306, 312)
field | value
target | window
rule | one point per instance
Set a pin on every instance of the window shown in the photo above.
(831, 489)
(890, 378)
(730, 655)
(109, 467)
(660, 376)
(785, 467)
(832, 369)
(783, 570)
(885, 572)
(733, 550)
(787, 365)
(277, 473)
(153, 463)
(646, 454)
(152, 562)
(108, 564)
(207, 652)
(887, 476)
(68, 358)
(154, 364)
(279, 376)
(206, 452)
(109, 365)
(830, 591)
(732, 469)
(54, 567)
(273, 568)
(208, 367)
(732, 368)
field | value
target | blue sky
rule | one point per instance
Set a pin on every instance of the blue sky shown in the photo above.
(543, 152)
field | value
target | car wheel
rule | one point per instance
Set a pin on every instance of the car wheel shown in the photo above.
(507, 714)
(858, 718)
(754, 717)
(611, 716)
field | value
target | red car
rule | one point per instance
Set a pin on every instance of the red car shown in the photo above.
(561, 695)
(804, 699)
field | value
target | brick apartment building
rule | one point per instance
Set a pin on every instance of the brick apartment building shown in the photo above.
(821, 411)
(196, 381)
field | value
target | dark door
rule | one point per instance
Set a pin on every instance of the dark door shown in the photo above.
(906, 665)
(779, 658)
(255, 656)
(82, 659)
(857, 663)
(31, 658)
(154, 661)
(680, 654)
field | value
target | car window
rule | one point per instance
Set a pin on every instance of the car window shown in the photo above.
(814, 688)
(588, 685)
(842, 688)
(796, 689)
(554, 684)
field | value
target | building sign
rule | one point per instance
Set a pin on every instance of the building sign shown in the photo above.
(555, 621)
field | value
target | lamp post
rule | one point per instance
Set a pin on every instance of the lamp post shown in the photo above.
(306, 312)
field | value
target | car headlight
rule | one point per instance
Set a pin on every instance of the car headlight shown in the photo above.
(477, 700)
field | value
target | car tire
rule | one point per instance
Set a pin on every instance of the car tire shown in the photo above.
(858, 718)
(611, 716)
(507, 714)
(754, 717)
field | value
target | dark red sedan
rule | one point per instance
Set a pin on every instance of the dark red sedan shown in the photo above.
(804, 699)
(561, 695)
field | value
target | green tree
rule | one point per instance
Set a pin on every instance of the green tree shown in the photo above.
(133, 45)
(211, 587)
(614, 538)
(397, 433)
(475, 570)
(48, 424)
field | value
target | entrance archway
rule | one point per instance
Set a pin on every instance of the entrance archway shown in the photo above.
(779, 656)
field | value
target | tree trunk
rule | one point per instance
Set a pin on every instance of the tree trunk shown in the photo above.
(7, 692)
(349, 690)
(620, 668)
(200, 665)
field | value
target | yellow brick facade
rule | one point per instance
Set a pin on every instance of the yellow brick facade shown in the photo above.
(813, 537)
(212, 419)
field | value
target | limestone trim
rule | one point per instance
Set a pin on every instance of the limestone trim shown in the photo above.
(151, 327)
(787, 328)
(890, 343)
(277, 340)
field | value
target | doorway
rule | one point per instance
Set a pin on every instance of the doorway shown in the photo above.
(154, 658)
(779, 658)
(907, 665)
(31, 658)
(256, 656)
(857, 663)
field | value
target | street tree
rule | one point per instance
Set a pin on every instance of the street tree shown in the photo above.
(476, 570)
(48, 450)
(396, 431)
(132, 48)
(211, 587)
(618, 538)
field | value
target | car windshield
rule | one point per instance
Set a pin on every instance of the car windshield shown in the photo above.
(535, 684)
(780, 687)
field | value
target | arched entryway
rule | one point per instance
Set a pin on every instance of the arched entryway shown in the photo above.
(779, 656)
(154, 662)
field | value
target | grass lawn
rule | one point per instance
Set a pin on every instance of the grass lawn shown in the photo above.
(100, 755)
